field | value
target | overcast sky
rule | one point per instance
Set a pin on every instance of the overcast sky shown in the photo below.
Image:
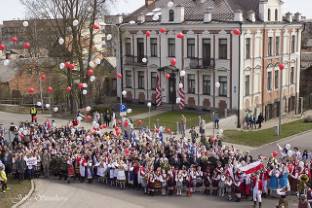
(11, 9)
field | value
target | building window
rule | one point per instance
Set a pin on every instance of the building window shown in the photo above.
(190, 47)
(153, 47)
(171, 47)
(171, 15)
(128, 47)
(223, 86)
(206, 84)
(206, 52)
(191, 83)
(276, 15)
(128, 79)
(292, 75)
(140, 49)
(269, 84)
(247, 85)
(248, 48)
(141, 80)
(222, 48)
(277, 46)
(293, 43)
(276, 80)
(269, 14)
(270, 46)
(153, 80)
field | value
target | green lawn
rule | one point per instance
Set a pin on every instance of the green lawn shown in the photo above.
(15, 193)
(137, 110)
(170, 119)
(257, 138)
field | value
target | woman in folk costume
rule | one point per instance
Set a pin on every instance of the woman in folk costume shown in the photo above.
(101, 171)
(179, 182)
(82, 168)
(151, 181)
(257, 187)
(158, 180)
(283, 181)
(111, 168)
(77, 166)
(171, 182)
(273, 184)
(143, 178)
(89, 171)
(265, 178)
(217, 176)
(221, 186)
(199, 177)
(208, 182)
(193, 176)
(294, 179)
(228, 186)
(121, 174)
(238, 185)
(164, 178)
(70, 169)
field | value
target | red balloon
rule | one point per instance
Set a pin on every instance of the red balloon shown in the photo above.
(43, 77)
(168, 76)
(90, 72)
(119, 122)
(236, 32)
(14, 39)
(274, 154)
(119, 75)
(103, 126)
(173, 62)
(148, 34)
(96, 26)
(26, 45)
(126, 123)
(70, 66)
(2, 47)
(180, 35)
(162, 30)
(281, 67)
(31, 90)
(80, 86)
(68, 89)
(50, 89)
(88, 118)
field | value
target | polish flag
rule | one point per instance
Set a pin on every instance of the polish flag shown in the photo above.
(252, 167)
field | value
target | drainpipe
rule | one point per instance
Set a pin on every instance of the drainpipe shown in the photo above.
(239, 77)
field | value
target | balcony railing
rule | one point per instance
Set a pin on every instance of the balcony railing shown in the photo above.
(201, 63)
(134, 60)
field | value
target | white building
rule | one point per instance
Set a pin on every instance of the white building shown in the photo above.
(246, 66)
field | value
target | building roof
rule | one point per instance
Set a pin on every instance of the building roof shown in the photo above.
(222, 10)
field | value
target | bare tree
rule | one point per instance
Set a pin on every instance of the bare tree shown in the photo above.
(60, 15)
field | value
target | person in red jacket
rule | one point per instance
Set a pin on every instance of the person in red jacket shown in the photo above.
(257, 188)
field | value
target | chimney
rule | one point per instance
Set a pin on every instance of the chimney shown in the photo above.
(288, 17)
(251, 16)
(141, 18)
(208, 15)
(149, 2)
(238, 16)
(298, 17)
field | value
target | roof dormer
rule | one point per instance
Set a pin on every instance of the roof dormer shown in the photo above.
(270, 10)
(172, 15)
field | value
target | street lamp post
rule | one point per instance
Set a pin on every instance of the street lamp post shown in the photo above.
(149, 105)
(217, 85)
(281, 68)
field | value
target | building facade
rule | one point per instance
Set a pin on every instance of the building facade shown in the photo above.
(245, 66)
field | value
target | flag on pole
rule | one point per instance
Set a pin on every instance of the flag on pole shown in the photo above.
(182, 96)
(252, 167)
(158, 91)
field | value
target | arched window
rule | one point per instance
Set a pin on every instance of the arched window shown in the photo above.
(269, 14)
(171, 15)
(276, 15)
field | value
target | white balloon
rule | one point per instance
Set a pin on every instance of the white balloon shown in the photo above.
(85, 85)
(92, 78)
(132, 22)
(109, 37)
(92, 64)
(124, 93)
(61, 41)
(79, 118)
(25, 23)
(97, 61)
(84, 92)
(129, 110)
(182, 73)
(178, 100)
(47, 105)
(217, 84)
(55, 109)
(75, 22)
(144, 60)
(89, 9)
(88, 108)
(39, 104)
(62, 65)
(6, 62)
(155, 17)
(170, 4)
(288, 146)
(96, 125)
(180, 85)
(149, 104)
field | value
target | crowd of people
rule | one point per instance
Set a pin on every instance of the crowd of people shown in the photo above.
(166, 165)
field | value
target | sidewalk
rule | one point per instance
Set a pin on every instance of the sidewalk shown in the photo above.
(146, 115)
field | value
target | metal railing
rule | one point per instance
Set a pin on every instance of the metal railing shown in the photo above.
(201, 63)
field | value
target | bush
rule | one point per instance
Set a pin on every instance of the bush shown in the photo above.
(308, 119)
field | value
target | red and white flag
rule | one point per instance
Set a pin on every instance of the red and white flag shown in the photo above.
(181, 95)
(252, 167)
(158, 91)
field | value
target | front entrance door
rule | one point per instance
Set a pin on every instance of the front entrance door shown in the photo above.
(172, 89)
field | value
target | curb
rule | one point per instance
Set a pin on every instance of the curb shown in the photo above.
(25, 198)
